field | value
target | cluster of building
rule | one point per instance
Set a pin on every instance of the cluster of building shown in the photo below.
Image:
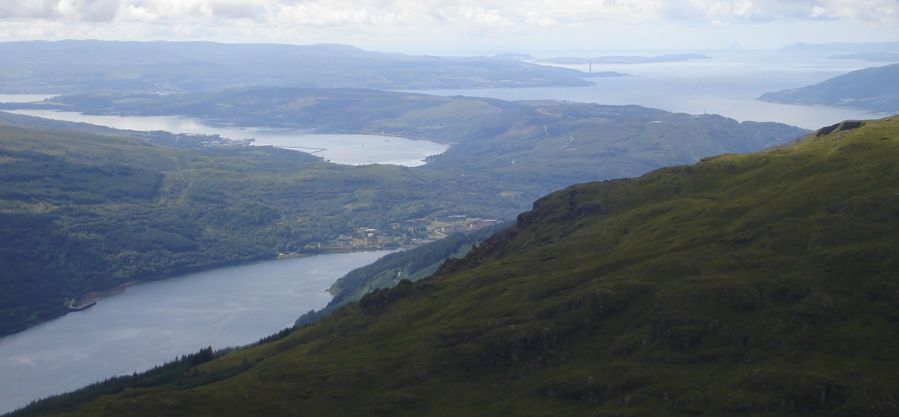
(411, 232)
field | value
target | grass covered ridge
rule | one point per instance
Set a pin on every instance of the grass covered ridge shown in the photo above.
(761, 284)
(85, 209)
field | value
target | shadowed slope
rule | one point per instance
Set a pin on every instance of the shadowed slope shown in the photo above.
(760, 284)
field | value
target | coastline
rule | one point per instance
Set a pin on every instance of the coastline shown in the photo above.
(91, 298)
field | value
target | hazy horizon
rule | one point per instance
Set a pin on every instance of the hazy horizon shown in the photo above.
(462, 27)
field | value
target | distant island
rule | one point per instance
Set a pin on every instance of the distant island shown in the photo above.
(624, 59)
(79, 66)
(873, 89)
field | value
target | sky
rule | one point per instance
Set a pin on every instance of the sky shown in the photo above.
(462, 26)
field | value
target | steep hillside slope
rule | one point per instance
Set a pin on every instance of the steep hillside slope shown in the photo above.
(761, 284)
(874, 89)
(84, 209)
(413, 265)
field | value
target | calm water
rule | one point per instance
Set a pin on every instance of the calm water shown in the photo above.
(727, 85)
(152, 323)
(337, 148)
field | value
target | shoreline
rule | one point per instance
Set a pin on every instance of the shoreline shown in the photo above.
(93, 297)
(216, 123)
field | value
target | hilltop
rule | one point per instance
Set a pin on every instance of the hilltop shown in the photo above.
(758, 284)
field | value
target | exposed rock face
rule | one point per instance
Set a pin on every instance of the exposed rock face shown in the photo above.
(839, 127)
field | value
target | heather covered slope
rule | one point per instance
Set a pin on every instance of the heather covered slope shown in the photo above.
(761, 284)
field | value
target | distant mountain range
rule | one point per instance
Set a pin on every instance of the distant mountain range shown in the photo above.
(86, 66)
(872, 89)
(744, 285)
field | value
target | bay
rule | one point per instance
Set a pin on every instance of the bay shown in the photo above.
(727, 84)
(348, 149)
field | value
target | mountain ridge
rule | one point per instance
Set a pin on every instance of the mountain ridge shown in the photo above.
(170, 204)
(759, 284)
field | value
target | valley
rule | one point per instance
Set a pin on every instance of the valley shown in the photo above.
(281, 201)
(674, 293)
(212, 228)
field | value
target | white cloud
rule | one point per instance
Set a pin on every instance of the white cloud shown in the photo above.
(87, 10)
(866, 10)
(366, 21)
(486, 12)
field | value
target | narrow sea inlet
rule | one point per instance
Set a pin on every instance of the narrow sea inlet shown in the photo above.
(152, 323)
(348, 149)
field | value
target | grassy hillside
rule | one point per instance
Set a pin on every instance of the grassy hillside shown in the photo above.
(874, 89)
(413, 265)
(86, 209)
(759, 284)
(523, 142)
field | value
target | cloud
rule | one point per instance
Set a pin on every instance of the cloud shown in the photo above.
(488, 13)
(778, 10)
(79, 10)
(368, 22)
(865, 10)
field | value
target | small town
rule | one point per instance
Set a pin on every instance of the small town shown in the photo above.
(405, 234)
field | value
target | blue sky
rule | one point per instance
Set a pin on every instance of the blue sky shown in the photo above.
(462, 27)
